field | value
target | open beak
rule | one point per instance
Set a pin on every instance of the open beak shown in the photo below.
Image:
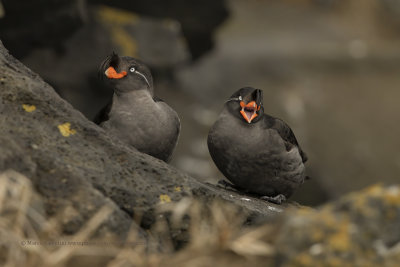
(249, 110)
(111, 73)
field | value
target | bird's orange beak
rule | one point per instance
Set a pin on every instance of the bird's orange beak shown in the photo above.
(111, 73)
(249, 110)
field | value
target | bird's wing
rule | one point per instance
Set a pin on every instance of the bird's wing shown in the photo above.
(102, 115)
(166, 107)
(288, 136)
(175, 121)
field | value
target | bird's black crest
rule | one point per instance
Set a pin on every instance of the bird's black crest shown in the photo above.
(111, 61)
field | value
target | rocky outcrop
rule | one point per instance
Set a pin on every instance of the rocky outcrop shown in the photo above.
(73, 162)
(54, 37)
(157, 42)
(76, 169)
(360, 229)
(26, 25)
(198, 19)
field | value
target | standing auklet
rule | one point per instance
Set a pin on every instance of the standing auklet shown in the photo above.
(134, 114)
(256, 152)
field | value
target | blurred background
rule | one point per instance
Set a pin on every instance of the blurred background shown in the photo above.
(329, 68)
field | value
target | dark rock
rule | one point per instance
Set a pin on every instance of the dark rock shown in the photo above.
(26, 25)
(73, 162)
(257, 211)
(198, 19)
(360, 229)
(68, 158)
(46, 23)
(157, 42)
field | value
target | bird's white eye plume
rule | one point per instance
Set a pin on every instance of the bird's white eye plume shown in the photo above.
(132, 69)
(239, 98)
(144, 77)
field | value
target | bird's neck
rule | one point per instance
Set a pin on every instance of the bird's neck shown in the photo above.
(136, 96)
(124, 88)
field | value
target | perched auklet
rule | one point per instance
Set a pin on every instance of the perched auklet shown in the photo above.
(258, 153)
(134, 114)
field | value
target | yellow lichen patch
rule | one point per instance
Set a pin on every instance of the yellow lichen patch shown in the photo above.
(317, 235)
(392, 196)
(177, 189)
(117, 16)
(165, 199)
(374, 190)
(392, 200)
(304, 211)
(360, 204)
(28, 108)
(116, 20)
(124, 40)
(336, 262)
(340, 240)
(304, 259)
(327, 217)
(65, 129)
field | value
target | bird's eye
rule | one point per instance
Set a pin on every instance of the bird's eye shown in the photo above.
(132, 69)
(240, 97)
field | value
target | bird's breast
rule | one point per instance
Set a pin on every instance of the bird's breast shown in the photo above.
(143, 123)
(237, 138)
(254, 157)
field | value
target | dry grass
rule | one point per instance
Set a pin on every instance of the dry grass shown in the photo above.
(216, 236)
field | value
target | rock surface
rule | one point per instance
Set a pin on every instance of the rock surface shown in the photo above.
(71, 161)
(27, 24)
(157, 42)
(198, 20)
(359, 229)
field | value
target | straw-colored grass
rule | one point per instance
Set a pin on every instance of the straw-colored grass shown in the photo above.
(29, 238)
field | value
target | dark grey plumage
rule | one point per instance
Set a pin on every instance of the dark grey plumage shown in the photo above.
(259, 155)
(134, 114)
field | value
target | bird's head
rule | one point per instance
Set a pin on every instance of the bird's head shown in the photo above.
(246, 104)
(126, 74)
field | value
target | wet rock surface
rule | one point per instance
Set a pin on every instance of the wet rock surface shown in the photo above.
(71, 161)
